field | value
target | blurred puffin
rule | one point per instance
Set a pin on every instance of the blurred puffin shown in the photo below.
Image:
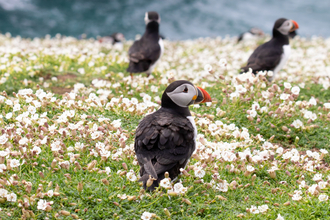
(253, 33)
(273, 54)
(165, 139)
(116, 40)
(144, 53)
(113, 38)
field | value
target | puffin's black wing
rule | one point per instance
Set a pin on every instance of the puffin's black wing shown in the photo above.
(266, 57)
(142, 54)
(164, 141)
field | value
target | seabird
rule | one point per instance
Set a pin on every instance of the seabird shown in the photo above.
(113, 38)
(273, 54)
(144, 53)
(166, 139)
(253, 33)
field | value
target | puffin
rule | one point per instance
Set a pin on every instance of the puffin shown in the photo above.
(273, 54)
(113, 39)
(145, 52)
(166, 139)
(253, 33)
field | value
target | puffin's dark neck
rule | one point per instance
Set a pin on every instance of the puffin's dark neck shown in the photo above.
(184, 112)
(169, 105)
(278, 36)
(152, 30)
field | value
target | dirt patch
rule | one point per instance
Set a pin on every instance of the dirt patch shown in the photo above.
(60, 90)
(66, 77)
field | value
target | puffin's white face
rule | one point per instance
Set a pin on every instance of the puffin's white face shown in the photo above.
(183, 95)
(146, 18)
(286, 27)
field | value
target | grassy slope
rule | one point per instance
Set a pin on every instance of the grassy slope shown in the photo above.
(100, 201)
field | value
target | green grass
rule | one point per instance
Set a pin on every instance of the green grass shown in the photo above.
(202, 200)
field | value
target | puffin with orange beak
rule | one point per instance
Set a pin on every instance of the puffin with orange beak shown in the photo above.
(166, 139)
(273, 54)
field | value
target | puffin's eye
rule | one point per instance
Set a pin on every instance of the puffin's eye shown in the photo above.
(185, 90)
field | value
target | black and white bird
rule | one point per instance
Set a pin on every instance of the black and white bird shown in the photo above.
(252, 34)
(113, 39)
(166, 139)
(273, 54)
(144, 53)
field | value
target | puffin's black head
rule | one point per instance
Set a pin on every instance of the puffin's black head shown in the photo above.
(183, 93)
(284, 26)
(151, 16)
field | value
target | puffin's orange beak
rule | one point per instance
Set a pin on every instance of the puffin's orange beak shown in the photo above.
(202, 96)
(295, 26)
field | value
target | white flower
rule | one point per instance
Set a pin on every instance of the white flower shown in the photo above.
(14, 163)
(131, 176)
(327, 105)
(116, 123)
(36, 149)
(279, 217)
(108, 170)
(254, 209)
(208, 67)
(322, 184)
(250, 168)
(297, 195)
(42, 204)
(279, 150)
(9, 115)
(81, 71)
(265, 94)
(323, 197)
(199, 172)
(287, 85)
(3, 193)
(147, 215)
(3, 139)
(263, 208)
(50, 193)
(312, 190)
(240, 89)
(166, 183)
(12, 197)
(295, 90)
(23, 141)
(179, 188)
(2, 167)
(312, 101)
(253, 113)
(317, 177)
(297, 123)
(222, 62)
(284, 96)
(222, 186)
(323, 151)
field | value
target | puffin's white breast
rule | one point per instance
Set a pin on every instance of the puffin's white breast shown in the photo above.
(161, 44)
(192, 121)
(284, 57)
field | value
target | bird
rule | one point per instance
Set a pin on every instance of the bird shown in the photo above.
(145, 52)
(166, 139)
(113, 39)
(273, 54)
(253, 33)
